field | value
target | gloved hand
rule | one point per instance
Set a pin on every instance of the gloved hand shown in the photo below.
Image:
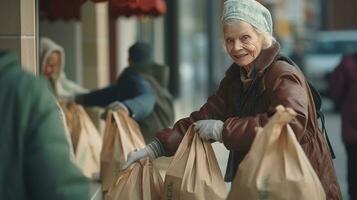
(115, 106)
(138, 155)
(209, 129)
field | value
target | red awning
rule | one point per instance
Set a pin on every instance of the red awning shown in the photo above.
(70, 9)
(62, 9)
(137, 8)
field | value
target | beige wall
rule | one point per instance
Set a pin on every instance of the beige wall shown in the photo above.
(95, 43)
(126, 36)
(18, 32)
(95, 50)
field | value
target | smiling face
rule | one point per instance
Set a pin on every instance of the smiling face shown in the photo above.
(242, 42)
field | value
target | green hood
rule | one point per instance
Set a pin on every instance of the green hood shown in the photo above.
(8, 60)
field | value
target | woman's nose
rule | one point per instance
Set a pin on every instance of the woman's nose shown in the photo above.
(50, 70)
(237, 45)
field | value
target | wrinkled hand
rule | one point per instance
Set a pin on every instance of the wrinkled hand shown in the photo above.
(137, 155)
(209, 129)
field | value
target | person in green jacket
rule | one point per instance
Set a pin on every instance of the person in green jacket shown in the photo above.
(35, 157)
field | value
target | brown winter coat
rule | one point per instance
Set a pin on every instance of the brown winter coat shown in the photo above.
(276, 82)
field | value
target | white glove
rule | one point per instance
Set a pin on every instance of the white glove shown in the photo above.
(116, 105)
(138, 155)
(209, 129)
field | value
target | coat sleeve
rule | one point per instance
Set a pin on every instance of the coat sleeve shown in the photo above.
(48, 169)
(336, 83)
(101, 97)
(72, 88)
(142, 97)
(288, 90)
(214, 108)
(132, 90)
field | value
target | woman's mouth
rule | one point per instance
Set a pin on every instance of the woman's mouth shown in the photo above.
(240, 56)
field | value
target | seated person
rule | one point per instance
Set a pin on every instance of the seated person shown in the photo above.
(52, 60)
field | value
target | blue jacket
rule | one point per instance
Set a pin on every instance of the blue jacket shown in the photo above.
(131, 89)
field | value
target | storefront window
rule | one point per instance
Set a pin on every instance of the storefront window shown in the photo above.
(193, 53)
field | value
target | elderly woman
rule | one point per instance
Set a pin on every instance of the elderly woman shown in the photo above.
(253, 86)
(52, 59)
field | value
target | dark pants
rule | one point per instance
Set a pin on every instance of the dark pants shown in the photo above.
(352, 170)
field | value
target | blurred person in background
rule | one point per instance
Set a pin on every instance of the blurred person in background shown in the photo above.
(256, 83)
(52, 63)
(35, 155)
(343, 90)
(140, 90)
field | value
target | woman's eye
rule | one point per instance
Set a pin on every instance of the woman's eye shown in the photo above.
(245, 37)
(229, 40)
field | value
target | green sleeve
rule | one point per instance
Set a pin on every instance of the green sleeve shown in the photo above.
(49, 171)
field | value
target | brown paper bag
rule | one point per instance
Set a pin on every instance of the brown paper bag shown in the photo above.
(276, 166)
(141, 181)
(72, 121)
(194, 172)
(121, 136)
(161, 164)
(89, 145)
(85, 138)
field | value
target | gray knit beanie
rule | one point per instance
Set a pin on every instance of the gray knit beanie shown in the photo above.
(249, 11)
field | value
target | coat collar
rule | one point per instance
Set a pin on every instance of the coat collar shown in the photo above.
(139, 67)
(261, 63)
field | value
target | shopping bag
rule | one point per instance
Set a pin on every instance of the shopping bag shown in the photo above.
(121, 136)
(72, 121)
(276, 166)
(85, 138)
(161, 164)
(194, 172)
(141, 181)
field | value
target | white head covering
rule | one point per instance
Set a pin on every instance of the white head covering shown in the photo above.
(249, 11)
(62, 86)
(47, 47)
